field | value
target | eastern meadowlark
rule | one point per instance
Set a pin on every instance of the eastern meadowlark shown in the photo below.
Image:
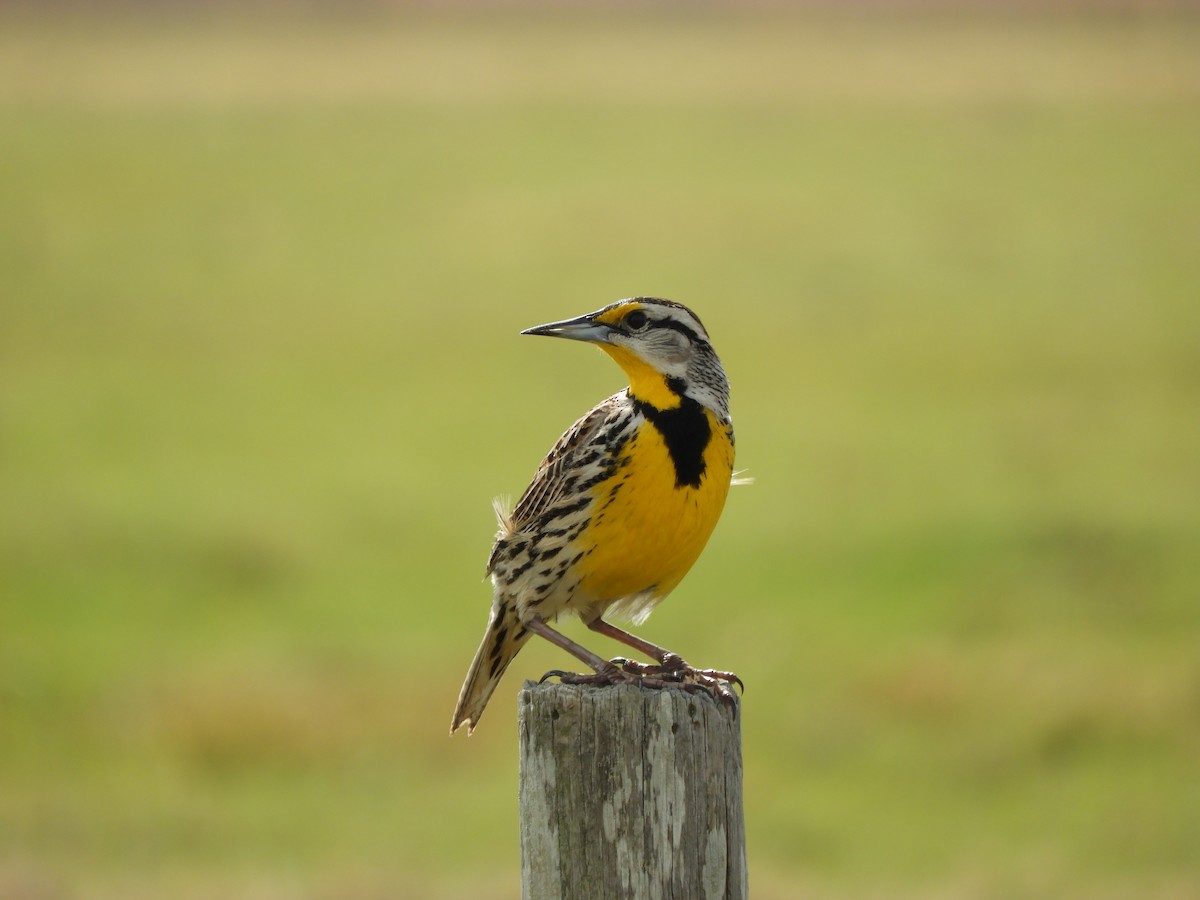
(619, 509)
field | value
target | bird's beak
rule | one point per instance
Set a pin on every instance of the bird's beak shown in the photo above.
(583, 328)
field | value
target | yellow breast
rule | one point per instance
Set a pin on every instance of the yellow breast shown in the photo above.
(646, 529)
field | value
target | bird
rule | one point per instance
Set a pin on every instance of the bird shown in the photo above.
(619, 509)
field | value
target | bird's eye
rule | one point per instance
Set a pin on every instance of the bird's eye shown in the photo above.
(636, 320)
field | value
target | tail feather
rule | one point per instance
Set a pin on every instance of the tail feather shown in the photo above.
(503, 639)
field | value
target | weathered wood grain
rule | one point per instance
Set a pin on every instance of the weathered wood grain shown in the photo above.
(629, 792)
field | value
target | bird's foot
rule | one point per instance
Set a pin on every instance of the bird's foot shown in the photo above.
(610, 674)
(674, 672)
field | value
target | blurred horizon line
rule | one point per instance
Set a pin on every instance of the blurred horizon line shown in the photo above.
(549, 6)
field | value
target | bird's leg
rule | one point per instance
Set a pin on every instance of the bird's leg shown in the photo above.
(666, 659)
(671, 666)
(606, 672)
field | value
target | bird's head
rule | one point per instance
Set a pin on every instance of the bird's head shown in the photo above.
(661, 345)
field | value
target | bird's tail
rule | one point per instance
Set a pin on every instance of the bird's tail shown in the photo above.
(504, 637)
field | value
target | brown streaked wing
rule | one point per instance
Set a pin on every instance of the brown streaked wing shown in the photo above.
(550, 480)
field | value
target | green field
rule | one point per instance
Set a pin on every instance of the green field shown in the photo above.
(261, 283)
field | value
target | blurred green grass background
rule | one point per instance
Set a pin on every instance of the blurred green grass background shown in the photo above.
(260, 286)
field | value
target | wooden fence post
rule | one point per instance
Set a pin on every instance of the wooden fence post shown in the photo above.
(628, 792)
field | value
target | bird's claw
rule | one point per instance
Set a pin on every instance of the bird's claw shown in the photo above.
(648, 670)
(612, 675)
(724, 677)
(673, 672)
